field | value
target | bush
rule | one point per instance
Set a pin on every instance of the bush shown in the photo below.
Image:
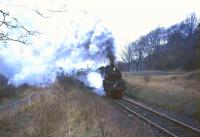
(6, 90)
(147, 78)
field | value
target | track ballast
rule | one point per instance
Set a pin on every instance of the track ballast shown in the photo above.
(167, 125)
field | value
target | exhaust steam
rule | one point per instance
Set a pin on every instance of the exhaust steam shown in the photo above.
(69, 41)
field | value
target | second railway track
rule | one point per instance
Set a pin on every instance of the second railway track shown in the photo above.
(167, 125)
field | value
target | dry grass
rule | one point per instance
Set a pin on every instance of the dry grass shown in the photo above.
(68, 112)
(178, 92)
(15, 93)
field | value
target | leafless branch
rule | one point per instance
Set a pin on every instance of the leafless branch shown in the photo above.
(41, 14)
(10, 25)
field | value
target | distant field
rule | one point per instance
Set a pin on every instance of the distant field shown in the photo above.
(177, 91)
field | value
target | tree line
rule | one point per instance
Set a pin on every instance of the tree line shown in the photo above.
(176, 47)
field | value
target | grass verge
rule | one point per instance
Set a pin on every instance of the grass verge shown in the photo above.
(178, 92)
(66, 111)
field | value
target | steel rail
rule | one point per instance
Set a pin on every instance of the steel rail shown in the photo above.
(147, 120)
(157, 115)
(164, 116)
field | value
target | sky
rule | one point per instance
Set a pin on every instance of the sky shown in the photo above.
(126, 19)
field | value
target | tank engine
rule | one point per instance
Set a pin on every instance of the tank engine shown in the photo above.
(113, 83)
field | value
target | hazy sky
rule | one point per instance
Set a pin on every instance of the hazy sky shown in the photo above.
(127, 19)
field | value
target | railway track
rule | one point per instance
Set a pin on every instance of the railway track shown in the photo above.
(166, 125)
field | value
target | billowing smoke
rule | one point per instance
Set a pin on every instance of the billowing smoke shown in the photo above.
(67, 41)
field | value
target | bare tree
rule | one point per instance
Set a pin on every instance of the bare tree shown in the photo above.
(133, 54)
(127, 55)
(12, 30)
(138, 49)
(190, 23)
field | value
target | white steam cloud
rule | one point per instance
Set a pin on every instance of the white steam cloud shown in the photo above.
(69, 40)
(95, 80)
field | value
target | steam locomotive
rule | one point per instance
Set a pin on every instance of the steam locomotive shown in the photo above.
(113, 83)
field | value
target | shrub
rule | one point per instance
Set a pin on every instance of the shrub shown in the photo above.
(6, 90)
